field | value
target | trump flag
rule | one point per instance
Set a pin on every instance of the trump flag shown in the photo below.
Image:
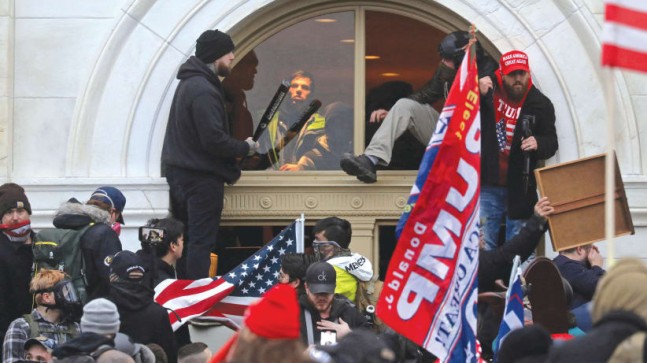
(225, 298)
(430, 289)
(624, 40)
(513, 313)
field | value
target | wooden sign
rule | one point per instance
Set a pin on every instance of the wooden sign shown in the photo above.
(576, 190)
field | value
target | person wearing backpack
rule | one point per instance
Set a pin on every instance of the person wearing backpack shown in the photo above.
(15, 255)
(89, 229)
(332, 239)
(100, 333)
(54, 316)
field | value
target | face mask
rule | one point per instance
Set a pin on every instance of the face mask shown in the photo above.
(67, 299)
(18, 232)
(117, 228)
(325, 249)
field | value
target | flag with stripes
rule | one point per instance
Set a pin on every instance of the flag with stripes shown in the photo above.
(225, 298)
(624, 40)
(513, 313)
(430, 289)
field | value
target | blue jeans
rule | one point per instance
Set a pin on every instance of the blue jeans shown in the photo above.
(494, 201)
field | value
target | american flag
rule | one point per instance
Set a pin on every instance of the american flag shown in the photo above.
(624, 40)
(225, 298)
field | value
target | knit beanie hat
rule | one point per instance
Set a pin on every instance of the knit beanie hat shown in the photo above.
(13, 196)
(100, 316)
(622, 288)
(276, 314)
(213, 44)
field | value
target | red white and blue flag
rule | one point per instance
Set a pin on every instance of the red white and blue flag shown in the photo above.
(430, 289)
(624, 40)
(513, 313)
(225, 298)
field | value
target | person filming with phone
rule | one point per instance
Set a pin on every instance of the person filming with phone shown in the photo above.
(325, 317)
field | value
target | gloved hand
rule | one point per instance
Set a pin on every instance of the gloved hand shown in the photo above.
(253, 146)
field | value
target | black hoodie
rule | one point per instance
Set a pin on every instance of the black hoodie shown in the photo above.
(198, 137)
(142, 318)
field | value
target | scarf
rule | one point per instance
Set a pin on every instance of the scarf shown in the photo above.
(506, 113)
(18, 232)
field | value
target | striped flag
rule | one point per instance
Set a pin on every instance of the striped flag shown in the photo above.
(430, 289)
(225, 298)
(513, 313)
(624, 40)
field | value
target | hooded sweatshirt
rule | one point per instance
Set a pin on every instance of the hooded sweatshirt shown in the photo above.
(350, 268)
(142, 319)
(198, 137)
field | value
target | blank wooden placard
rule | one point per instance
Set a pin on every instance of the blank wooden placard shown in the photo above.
(576, 190)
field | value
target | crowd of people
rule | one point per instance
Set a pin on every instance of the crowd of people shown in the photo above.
(70, 293)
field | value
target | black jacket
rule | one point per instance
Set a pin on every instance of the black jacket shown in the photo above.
(15, 273)
(97, 243)
(198, 137)
(599, 343)
(496, 264)
(162, 272)
(142, 318)
(520, 202)
(341, 308)
(86, 343)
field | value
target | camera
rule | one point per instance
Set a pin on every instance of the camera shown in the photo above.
(151, 235)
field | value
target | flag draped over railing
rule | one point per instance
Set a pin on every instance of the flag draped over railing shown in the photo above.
(430, 289)
(513, 313)
(225, 298)
(624, 40)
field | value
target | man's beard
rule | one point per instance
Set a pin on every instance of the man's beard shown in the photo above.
(291, 110)
(514, 94)
(222, 69)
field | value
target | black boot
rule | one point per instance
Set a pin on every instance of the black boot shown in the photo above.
(359, 166)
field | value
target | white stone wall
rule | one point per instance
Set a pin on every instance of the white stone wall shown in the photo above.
(85, 88)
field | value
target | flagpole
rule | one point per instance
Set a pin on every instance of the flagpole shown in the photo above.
(300, 233)
(609, 168)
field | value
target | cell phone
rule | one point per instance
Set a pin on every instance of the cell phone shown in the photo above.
(151, 235)
(328, 338)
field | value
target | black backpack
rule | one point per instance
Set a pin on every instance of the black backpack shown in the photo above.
(60, 249)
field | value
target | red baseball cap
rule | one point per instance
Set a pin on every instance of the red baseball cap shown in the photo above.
(514, 60)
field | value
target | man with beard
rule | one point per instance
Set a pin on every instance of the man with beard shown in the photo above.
(199, 153)
(16, 257)
(324, 315)
(517, 131)
(302, 87)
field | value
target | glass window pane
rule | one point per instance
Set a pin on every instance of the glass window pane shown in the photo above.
(317, 57)
(401, 56)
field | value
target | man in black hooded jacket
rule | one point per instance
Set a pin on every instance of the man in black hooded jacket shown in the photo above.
(141, 317)
(199, 153)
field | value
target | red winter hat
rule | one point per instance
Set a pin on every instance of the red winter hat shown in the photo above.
(276, 314)
(514, 60)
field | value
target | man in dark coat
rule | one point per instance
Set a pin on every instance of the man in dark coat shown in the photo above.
(15, 255)
(100, 240)
(199, 154)
(517, 126)
(142, 318)
(322, 310)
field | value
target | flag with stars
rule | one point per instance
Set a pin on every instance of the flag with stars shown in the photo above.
(225, 298)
